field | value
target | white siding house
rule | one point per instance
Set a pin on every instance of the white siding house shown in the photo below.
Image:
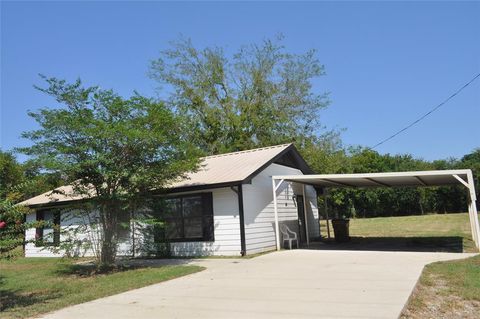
(232, 195)
(32, 250)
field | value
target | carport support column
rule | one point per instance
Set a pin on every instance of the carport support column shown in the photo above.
(473, 209)
(472, 220)
(325, 193)
(275, 211)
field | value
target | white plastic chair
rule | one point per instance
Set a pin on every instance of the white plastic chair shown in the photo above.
(288, 235)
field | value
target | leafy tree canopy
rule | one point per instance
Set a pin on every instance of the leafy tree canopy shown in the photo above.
(260, 96)
(11, 172)
(117, 145)
(115, 149)
(32, 179)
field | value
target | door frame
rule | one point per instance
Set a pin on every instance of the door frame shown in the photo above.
(301, 221)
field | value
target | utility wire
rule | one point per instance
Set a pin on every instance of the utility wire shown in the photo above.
(428, 113)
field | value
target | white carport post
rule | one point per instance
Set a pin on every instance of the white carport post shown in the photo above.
(473, 208)
(470, 209)
(472, 214)
(275, 210)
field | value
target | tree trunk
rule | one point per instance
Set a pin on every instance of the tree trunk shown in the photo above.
(109, 243)
(107, 256)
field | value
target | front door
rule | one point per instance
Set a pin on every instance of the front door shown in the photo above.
(302, 230)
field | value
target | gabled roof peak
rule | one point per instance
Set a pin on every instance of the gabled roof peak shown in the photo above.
(250, 151)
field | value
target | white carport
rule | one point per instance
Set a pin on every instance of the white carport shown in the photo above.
(395, 179)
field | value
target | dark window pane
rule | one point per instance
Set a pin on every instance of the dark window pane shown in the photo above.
(123, 226)
(39, 230)
(192, 206)
(50, 233)
(174, 229)
(208, 228)
(173, 208)
(208, 223)
(189, 217)
(193, 227)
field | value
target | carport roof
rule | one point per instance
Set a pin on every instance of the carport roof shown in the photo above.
(393, 179)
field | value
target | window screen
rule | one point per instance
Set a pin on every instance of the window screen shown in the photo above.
(49, 234)
(189, 217)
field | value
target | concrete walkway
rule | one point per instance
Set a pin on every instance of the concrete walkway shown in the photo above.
(286, 284)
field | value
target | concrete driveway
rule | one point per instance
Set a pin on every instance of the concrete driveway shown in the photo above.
(286, 284)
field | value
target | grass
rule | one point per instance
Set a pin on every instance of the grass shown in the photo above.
(32, 286)
(439, 229)
(448, 289)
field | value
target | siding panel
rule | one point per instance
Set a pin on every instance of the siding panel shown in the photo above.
(259, 210)
(226, 232)
(68, 222)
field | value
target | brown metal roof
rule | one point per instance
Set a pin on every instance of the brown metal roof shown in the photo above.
(214, 170)
(231, 167)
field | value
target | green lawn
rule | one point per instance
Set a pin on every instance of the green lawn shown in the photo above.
(431, 231)
(31, 286)
(447, 289)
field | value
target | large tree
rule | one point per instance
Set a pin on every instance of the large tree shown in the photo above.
(12, 225)
(114, 150)
(18, 181)
(11, 173)
(259, 96)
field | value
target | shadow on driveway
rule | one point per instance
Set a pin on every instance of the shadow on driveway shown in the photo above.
(452, 244)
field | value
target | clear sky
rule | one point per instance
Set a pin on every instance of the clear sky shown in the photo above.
(387, 63)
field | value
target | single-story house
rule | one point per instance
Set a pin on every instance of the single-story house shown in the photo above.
(224, 208)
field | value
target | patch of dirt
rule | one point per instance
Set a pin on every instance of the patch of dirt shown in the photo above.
(434, 301)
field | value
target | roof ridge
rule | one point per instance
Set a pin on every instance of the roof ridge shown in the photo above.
(248, 151)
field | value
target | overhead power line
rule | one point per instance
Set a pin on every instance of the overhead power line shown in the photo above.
(428, 113)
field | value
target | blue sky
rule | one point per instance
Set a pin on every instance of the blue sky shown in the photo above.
(387, 63)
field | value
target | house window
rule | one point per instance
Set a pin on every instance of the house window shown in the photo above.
(189, 218)
(49, 234)
(124, 226)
